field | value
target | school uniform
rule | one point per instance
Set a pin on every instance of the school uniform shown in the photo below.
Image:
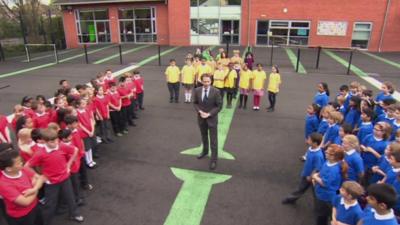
(219, 81)
(379, 98)
(383, 117)
(313, 163)
(188, 76)
(132, 107)
(28, 112)
(331, 133)
(75, 167)
(379, 145)
(347, 213)
(81, 168)
(5, 135)
(124, 92)
(323, 126)
(395, 128)
(230, 85)
(391, 175)
(352, 117)
(24, 154)
(139, 83)
(116, 121)
(273, 88)
(259, 78)
(53, 163)
(356, 165)
(13, 187)
(370, 217)
(396, 186)
(384, 165)
(321, 99)
(108, 80)
(311, 125)
(41, 120)
(172, 73)
(330, 175)
(101, 105)
(365, 129)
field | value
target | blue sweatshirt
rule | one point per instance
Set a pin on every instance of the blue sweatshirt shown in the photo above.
(331, 133)
(356, 165)
(365, 129)
(321, 99)
(379, 145)
(370, 217)
(311, 126)
(314, 161)
(348, 214)
(331, 177)
(323, 126)
(380, 97)
(352, 117)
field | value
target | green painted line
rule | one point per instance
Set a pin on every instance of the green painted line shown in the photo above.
(357, 71)
(387, 61)
(49, 64)
(123, 53)
(188, 207)
(293, 60)
(151, 58)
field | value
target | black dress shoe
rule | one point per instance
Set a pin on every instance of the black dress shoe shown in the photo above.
(289, 200)
(213, 165)
(202, 155)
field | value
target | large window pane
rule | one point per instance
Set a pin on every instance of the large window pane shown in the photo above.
(86, 15)
(362, 26)
(101, 15)
(142, 13)
(262, 40)
(125, 14)
(359, 44)
(262, 27)
(193, 3)
(300, 24)
(143, 26)
(144, 38)
(208, 26)
(279, 32)
(279, 24)
(361, 35)
(299, 32)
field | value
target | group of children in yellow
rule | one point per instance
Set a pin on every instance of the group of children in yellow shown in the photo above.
(231, 76)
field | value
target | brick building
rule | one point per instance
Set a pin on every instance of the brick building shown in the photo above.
(372, 24)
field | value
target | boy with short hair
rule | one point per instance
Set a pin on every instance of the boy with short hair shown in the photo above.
(381, 199)
(346, 209)
(366, 127)
(314, 161)
(55, 161)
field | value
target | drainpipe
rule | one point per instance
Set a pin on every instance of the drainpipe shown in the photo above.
(384, 25)
(248, 22)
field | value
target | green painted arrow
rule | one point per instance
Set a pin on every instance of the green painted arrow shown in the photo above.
(189, 205)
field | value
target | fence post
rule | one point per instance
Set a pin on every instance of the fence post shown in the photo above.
(56, 53)
(159, 55)
(350, 59)
(86, 55)
(2, 57)
(120, 54)
(298, 60)
(28, 55)
(318, 55)
(272, 54)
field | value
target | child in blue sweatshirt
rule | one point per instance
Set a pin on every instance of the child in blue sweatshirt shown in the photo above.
(346, 209)
(312, 121)
(351, 147)
(313, 163)
(322, 96)
(334, 119)
(366, 127)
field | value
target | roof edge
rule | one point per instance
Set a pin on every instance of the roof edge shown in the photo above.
(102, 2)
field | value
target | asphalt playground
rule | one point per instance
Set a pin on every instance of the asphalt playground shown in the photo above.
(137, 181)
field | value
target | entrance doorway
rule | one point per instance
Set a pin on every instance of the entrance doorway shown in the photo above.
(230, 32)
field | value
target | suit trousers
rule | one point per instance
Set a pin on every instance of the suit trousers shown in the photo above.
(209, 133)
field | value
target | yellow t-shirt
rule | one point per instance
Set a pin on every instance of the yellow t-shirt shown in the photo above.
(172, 73)
(274, 82)
(225, 62)
(211, 64)
(245, 77)
(230, 80)
(219, 77)
(202, 70)
(259, 78)
(188, 74)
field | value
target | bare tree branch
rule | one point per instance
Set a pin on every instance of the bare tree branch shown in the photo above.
(8, 10)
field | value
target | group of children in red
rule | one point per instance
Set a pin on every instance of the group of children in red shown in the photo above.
(354, 144)
(46, 146)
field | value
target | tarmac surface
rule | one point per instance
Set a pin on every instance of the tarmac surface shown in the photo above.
(134, 183)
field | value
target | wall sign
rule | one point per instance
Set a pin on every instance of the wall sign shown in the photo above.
(332, 28)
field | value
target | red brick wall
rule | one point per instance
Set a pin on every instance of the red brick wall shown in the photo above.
(391, 38)
(71, 37)
(316, 10)
(179, 22)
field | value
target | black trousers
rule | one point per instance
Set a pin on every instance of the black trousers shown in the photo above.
(83, 176)
(115, 117)
(221, 92)
(302, 188)
(140, 97)
(76, 185)
(33, 218)
(209, 133)
(124, 117)
(272, 99)
(104, 129)
(131, 109)
(173, 89)
(323, 211)
(52, 194)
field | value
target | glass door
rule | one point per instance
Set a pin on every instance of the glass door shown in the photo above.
(230, 31)
(103, 32)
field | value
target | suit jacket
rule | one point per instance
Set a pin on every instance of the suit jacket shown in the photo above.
(213, 105)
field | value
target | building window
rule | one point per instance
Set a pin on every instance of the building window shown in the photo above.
(93, 26)
(282, 32)
(204, 26)
(137, 25)
(361, 35)
(197, 3)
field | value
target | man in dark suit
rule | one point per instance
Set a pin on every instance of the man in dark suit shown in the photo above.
(207, 103)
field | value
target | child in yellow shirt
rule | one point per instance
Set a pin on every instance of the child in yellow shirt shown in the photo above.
(219, 79)
(172, 74)
(188, 77)
(230, 85)
(258, 77)
(244, 85)
(273, 87)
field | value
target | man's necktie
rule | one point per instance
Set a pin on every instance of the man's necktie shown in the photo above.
(205, 95)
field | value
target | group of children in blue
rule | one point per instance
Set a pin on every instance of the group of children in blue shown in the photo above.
(46, 147)
(354, 145)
